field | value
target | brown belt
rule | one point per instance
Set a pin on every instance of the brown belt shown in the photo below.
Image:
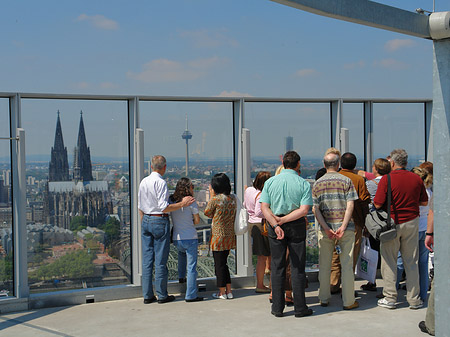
(159, 215)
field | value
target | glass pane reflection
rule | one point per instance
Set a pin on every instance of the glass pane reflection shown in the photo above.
(352, 119)
(399, 125)
(208, 140)
(6, 214)
(78, 209)
(278, 127)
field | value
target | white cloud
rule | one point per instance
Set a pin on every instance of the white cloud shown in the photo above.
(355, 65)
(164, 70)
(99, 21)
(206, 39)
(390, 63)
(233, 94)
(396, 44)
(305, 72)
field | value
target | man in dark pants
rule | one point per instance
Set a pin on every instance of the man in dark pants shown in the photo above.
(285, 201)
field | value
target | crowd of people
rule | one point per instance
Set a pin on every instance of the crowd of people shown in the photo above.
(340, 199)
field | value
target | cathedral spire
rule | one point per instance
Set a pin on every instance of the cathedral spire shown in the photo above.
(82, 169)
(58, 166)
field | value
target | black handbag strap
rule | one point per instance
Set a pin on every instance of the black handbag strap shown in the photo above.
(389, 196)
(389, 201)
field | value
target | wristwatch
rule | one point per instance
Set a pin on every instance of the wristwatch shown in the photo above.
(429, 234)
(275, 226)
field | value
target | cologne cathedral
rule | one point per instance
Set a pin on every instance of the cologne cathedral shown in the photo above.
(75, 194)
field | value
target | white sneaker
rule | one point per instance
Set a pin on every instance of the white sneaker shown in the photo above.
(383, 302)
(417, 306)
(222, 297)
(230, 296)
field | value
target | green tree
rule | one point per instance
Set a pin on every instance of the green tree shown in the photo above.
(72, 265)
(77, 223)
(6, 268)
(112, 231)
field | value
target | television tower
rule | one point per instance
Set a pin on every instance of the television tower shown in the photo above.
(187, 135)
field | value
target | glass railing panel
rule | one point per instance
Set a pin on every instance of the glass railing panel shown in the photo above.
(278, 127)
(203, 131)
(353, 120)
(6, 209)
(399, 125)
(78, 201)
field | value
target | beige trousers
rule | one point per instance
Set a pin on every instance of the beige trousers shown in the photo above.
(335, 279)
(326, 248)
(406, 242)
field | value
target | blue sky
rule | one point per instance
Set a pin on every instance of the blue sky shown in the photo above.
(205, 48)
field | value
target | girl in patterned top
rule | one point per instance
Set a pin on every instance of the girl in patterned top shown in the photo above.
(222, 209)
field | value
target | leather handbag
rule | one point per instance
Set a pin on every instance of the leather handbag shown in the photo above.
(379, 223)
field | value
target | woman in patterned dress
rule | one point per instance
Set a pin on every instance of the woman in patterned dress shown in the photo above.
(222, 209)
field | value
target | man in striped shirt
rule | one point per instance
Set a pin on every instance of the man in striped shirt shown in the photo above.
(333, 200)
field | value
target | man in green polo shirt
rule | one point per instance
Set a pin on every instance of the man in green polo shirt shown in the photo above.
(285, 201)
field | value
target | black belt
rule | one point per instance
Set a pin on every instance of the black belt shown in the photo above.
(159, 215)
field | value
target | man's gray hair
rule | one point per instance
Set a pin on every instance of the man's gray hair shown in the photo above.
(399, 157)
(331, 160)
(158, 162)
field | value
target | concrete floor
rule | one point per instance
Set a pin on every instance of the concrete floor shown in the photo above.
(246, 315)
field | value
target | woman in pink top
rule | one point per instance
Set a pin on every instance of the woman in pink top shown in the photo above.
(260, 246)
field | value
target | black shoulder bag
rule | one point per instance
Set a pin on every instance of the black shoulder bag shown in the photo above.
(379, 223)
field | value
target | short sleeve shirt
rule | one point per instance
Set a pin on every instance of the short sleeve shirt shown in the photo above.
(408, 191)
(153, 195)
(330, 195)
(286, 192)
(183, 224)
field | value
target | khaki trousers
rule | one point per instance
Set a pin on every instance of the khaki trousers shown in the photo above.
(407, 242)
(335, 278)
(326, 248)
(429, 317)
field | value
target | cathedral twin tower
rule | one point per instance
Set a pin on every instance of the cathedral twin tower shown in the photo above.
(77, 195)
(59, 165)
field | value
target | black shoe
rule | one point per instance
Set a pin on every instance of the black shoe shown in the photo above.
(149, 300)
(277, 314)
(369, 287)
(424, 328)
(304, 313)
(197, 299)
(168, 299)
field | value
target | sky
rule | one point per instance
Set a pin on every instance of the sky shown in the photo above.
(201, 48)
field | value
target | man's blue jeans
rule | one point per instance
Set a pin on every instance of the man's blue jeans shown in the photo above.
(155, 250)
(187, 256)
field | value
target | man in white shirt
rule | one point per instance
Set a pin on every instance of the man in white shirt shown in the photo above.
(153, 209)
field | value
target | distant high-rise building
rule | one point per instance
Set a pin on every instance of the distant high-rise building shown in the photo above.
(3, 193)
(59, 166)
(82, 166)
(187, 136)
(288, 143)
(7, 177)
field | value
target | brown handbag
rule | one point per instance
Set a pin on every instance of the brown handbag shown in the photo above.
(264, 225)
